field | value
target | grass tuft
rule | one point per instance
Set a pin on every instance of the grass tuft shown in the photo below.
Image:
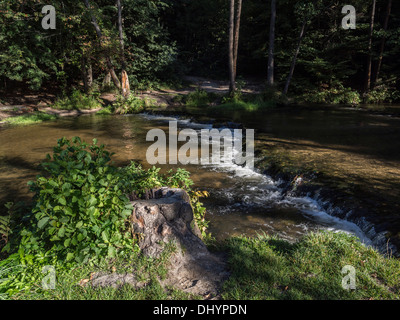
(30, 118)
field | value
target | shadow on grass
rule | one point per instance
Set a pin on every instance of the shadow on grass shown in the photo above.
(267, 268)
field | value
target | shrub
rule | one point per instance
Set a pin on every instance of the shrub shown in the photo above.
(77, 100)
(80, 207)
(198, 98)
(131, 104)
(336, 94)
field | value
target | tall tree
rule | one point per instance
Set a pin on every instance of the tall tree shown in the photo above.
(236, 37)
(369, 65)
(270, 71)
(234, 28)
(385, 26)
(124, 75)
(232, 84)
(106, 56)
(294, 59)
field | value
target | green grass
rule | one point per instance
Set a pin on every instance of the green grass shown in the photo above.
(106, 111)
(30, 118)
(249, 103)
(72, 283)
(262, 268)
(199, 98)
(273, 269)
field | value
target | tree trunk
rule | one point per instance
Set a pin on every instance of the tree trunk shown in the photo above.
(232, 85)
(90, 76)
(106, 56)
(236, 37)
(385, 26)
(270, 72)
(124, 74)
(292, 66)
(369, 65)
(234, 28)
(84, 75)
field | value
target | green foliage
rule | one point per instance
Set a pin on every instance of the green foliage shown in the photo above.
(131, 104)
(29, 118)
(80, 208)
(150, 52)
(334, 95)
(381, 94)
(199, 98)
(25, 55)
(77, 101)
(106, 111)
(80, 212)
(248, 103)
(4, 227)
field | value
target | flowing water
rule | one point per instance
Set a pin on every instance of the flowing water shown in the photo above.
(241, 200)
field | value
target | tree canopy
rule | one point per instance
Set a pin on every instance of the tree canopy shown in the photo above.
(164, 39)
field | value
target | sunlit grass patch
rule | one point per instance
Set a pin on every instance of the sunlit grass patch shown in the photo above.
(30, 118)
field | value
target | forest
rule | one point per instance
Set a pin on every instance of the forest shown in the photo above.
(115, 183)
(297, 47)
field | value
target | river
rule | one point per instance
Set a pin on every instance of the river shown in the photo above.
(242, 201)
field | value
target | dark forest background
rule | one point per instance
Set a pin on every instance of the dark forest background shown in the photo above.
(165, 39)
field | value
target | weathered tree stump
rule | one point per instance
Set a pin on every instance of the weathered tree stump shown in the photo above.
(168, 218)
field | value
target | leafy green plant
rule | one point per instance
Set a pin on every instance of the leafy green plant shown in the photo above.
(5, 227)
(198, 98)
(130, 104)
(336, 94)
(80, 209)
(105, 111)
(79, 101)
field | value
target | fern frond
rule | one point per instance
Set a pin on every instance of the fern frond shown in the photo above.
(5, 226)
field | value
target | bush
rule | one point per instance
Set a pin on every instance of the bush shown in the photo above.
(198, 98)
(337, 94)
(131, 104)
(77, 100)
(80, 208)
